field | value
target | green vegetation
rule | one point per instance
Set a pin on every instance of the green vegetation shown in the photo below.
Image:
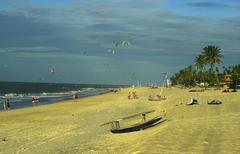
(205, 70)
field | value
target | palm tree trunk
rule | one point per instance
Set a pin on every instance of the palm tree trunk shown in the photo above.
(216, 77)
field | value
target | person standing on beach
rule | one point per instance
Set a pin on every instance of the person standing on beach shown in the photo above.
(4, 104)
(129, 95)
(74, 96)
(134, 95)
(8, 104)
(33, 101)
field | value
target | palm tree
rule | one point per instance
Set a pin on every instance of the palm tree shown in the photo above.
(212, 57)
(189, 76)
(200, 63)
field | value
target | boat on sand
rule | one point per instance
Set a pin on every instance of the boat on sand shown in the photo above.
(116, 128)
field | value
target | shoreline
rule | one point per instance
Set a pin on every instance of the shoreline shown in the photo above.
(53, 102)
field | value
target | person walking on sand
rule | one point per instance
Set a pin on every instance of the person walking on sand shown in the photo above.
(4, 104)
(33, 101)
(8, 104)
(134, 95)
(129, 95)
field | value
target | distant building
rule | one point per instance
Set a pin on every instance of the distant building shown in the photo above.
(227, 80)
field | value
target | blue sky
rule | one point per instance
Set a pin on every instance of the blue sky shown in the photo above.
(73, 36)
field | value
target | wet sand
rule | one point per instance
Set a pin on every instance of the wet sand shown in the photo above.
(73, 126)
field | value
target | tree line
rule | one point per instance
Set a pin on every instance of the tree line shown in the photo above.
(205, 70)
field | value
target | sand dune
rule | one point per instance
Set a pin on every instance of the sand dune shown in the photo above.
(74, 126)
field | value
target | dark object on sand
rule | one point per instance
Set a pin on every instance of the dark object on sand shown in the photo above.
(196, 90)
(234, 90)
(192, 101)
(156, 98)
(138, 127)
(154, 87)
(114, 90)
(116, 128)
(214, 102)
(226, 90)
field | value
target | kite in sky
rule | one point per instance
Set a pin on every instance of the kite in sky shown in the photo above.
(119, 44)
(52, 71)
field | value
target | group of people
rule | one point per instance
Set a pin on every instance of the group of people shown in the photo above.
(75, 96)
(35, 100)
(132, 95)
(6, 104)
(115, 90)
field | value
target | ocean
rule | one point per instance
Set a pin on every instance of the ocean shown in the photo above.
(20, 93)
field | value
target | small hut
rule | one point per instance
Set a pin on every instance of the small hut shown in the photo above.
(227, 81)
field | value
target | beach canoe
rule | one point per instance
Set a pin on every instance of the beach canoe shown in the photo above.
(137, 127)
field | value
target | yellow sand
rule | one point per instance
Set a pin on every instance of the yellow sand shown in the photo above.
(73, 126)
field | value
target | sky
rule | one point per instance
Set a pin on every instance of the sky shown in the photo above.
(73, 37)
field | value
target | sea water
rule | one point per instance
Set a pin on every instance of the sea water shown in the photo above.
(20, 94)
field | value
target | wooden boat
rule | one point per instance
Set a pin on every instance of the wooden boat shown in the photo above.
(115, 125)
(138, 127)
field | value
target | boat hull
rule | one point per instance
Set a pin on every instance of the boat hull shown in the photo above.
(139, 127)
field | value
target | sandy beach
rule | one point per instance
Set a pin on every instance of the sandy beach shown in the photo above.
(73, 126)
